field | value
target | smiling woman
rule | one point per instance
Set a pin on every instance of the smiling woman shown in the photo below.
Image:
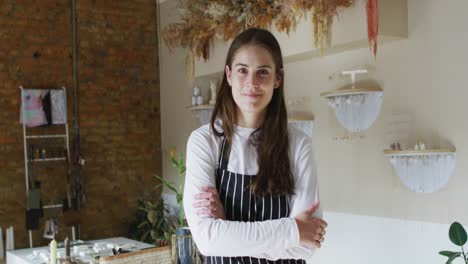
(251, 191)
(253, 79)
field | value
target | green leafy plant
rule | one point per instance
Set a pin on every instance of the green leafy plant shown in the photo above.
(179, 164)
(458, 236)
(151, 224)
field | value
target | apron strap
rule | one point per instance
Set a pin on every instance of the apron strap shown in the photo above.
(223, 158)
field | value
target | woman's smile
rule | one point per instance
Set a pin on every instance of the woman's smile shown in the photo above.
(251, 95)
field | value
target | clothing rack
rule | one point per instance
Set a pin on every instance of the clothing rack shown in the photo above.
(29, 161)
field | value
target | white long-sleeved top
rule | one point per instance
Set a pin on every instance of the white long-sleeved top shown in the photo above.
(271, 239)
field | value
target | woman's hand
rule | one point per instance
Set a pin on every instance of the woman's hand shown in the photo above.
(311, 229)
(208, 203)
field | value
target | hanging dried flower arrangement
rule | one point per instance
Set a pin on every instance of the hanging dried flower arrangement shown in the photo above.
(372, 24)
(203, 20)
(322, 19)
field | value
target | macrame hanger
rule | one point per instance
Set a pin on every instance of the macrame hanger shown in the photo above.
(352, 74)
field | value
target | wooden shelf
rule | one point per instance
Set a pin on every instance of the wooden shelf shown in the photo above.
(294, 117)
(410, 152)
(347, 33)
(301, 117)
(351, 91)
(200, 107)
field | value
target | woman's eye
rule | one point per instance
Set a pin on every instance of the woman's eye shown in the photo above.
(263, 72)
(242, 70)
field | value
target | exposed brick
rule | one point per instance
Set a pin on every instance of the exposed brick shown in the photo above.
(118, 103)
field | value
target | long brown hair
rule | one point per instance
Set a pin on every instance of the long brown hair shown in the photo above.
(271, 138)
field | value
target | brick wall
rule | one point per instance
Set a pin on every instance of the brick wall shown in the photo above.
(118, 103)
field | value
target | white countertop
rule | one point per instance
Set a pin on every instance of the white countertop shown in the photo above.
(38, 255)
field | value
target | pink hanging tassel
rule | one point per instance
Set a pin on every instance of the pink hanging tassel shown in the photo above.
(372, 24)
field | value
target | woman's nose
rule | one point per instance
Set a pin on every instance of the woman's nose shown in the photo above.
(253, 80)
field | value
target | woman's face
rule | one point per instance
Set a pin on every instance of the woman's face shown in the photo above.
(252, 79)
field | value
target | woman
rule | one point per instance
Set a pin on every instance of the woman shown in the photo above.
(251, 190)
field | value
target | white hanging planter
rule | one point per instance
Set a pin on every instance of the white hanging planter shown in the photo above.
(424, 171)
(355, 108)
(303, 122)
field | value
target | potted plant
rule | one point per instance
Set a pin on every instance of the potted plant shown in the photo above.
(457, 235)
(182, 232)
(151, 223)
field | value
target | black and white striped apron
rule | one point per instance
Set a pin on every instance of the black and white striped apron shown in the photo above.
(242, 205)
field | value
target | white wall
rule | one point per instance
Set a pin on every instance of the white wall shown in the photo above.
(176, 121)
(425, 80)
(361, 239)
